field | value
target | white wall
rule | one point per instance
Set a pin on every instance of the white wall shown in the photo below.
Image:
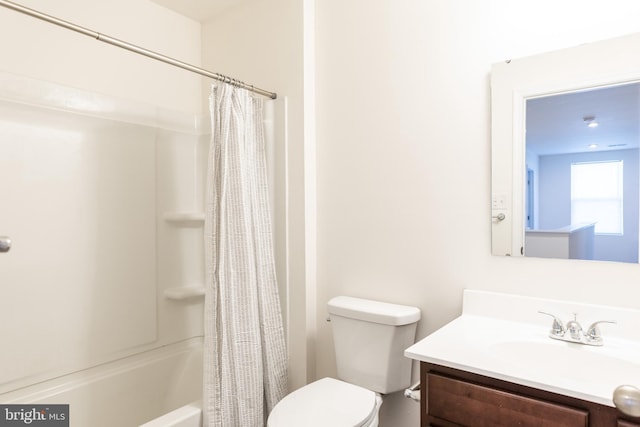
(403, 156)
(37, 49)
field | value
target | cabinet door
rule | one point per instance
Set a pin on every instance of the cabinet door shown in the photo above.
(467, 404)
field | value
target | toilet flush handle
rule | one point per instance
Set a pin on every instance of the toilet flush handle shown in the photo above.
(5, 244)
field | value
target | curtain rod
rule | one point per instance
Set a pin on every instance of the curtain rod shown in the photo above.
(133, 48)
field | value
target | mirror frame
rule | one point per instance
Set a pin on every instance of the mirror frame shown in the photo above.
(588, 66)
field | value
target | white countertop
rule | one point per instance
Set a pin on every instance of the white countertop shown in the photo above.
(567, 229)
(504, 337)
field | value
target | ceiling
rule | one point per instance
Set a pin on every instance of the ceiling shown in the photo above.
(555, 124)
(199, 10)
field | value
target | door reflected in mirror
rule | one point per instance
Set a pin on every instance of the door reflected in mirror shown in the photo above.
(581, 174)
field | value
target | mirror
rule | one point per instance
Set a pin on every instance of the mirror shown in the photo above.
(565, 132)
(581, 174)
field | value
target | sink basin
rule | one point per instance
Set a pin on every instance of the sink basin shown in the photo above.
(575, 362)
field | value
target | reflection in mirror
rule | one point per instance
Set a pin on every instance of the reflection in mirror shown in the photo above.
(581, 174)
(563, 124)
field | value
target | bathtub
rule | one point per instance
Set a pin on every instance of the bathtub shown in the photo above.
(128, 392)
(186, 416)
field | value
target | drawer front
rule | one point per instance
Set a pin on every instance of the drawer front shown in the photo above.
(469, 404)
(622, 423)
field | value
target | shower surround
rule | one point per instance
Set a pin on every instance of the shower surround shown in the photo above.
(101, 302)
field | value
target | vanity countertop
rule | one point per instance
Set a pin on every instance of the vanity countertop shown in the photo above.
(504, 337)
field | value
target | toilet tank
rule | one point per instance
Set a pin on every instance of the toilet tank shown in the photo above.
(370, 338)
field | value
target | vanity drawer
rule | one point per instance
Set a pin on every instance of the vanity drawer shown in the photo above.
(622, 423)
(466, 404)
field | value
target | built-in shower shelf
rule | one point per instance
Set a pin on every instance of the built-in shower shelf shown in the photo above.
(184, 293)
(185, 219)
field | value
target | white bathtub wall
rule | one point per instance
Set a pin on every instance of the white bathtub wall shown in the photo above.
(180, 236)
(89, 182)
(180, 223)
(86, 279)
(78, 204)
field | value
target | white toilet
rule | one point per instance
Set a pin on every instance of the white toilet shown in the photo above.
(370, 338)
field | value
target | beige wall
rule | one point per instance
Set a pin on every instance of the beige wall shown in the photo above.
(37, 49)
(403, 156)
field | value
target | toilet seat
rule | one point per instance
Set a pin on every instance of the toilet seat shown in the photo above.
(326, 402)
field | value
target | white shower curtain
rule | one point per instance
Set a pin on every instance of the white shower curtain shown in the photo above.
(245, 361)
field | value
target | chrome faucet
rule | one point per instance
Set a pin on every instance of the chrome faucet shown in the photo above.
(573, 331)
(574, 328)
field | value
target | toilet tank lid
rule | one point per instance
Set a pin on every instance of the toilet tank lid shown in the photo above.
(373, 311)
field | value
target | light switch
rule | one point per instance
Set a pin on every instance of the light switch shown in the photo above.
(498, 201)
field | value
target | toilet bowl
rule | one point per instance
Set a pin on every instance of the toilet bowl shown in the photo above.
(327, 402)
(370, 338)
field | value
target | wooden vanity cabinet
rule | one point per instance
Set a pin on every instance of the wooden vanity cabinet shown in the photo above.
(454, 398)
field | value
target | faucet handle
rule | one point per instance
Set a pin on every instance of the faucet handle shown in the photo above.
(557, 328)
(593, 333)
